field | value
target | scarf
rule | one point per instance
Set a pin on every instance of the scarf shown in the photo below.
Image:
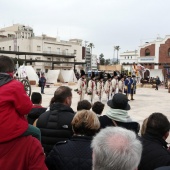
(118, 115)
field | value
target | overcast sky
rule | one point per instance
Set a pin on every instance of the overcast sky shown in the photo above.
(105, 23)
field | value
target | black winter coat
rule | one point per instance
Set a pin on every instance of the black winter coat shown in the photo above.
(106, 121)
(55, 125)
(34, 114)
(155, 153)
(74, 154)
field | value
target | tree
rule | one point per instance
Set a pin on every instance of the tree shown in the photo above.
(91, 45)
(101, 59)
(117, 48)
(107, 61)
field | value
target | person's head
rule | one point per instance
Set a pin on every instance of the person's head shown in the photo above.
(83, 75)
(92, 76)
(116, 148)
(115, 75)
(36, 98)
(62, 95)
(158, 124)
(85, 122)
(83, 105)
(133, 76)
(119, 101)
(143, 128)
(109, 78)
(98, 107)
(6, 64)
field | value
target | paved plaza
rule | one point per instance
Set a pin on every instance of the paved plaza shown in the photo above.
(147, 101)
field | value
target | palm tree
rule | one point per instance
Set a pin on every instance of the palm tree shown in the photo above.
(101, 59)
(117, 48)
(91, 45)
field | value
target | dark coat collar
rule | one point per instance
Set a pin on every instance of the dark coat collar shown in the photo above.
(155, 138)
(61, 107)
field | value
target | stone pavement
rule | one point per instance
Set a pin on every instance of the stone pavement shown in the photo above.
(147, 101)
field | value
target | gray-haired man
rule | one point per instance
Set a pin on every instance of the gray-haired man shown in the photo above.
(116, 148)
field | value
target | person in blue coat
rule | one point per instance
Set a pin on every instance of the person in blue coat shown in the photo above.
(128, 86)
(42, 82)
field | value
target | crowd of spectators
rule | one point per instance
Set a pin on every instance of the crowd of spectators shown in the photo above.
(82, 140)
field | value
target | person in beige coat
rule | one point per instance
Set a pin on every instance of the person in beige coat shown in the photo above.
(91, 90)
(121, 84)
(108, 87)
(82, 86)
(100, 87)
(114, 83)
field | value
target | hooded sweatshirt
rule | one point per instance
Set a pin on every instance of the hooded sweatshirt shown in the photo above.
(14, 104)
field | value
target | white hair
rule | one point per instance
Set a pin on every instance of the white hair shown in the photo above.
(116, 148)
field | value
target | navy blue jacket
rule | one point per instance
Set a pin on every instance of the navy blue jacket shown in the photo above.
(74, 154)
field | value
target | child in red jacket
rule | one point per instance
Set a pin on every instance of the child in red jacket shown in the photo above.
(14, 104)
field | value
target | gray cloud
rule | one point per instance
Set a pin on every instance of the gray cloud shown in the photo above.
(105, 23)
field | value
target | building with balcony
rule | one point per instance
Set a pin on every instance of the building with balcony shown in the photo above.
(21, 38)
(128, 58)
(94, 62)
(86, 55)
(156, 54)
(152, 55)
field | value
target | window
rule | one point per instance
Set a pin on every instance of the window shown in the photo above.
(0, 48)
(49, 49)
(38, 48)
(9, 48)
(128, 57)
(18, 48)
(66, 51)
(38, 58)
(147, 52)
(3, 48)
(131, 57)
(58, 50)
(75, 51)
(169, 52)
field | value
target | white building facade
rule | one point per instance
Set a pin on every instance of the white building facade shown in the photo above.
(94, 62)
(128, 58)
(21, 38)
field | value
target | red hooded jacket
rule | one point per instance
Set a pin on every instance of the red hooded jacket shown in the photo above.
(14, 104)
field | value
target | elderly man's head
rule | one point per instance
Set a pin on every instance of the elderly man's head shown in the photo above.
(116, 148)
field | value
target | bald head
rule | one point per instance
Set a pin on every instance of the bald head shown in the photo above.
(116, 148)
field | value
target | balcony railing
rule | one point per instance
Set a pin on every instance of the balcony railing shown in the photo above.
(59, 53)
